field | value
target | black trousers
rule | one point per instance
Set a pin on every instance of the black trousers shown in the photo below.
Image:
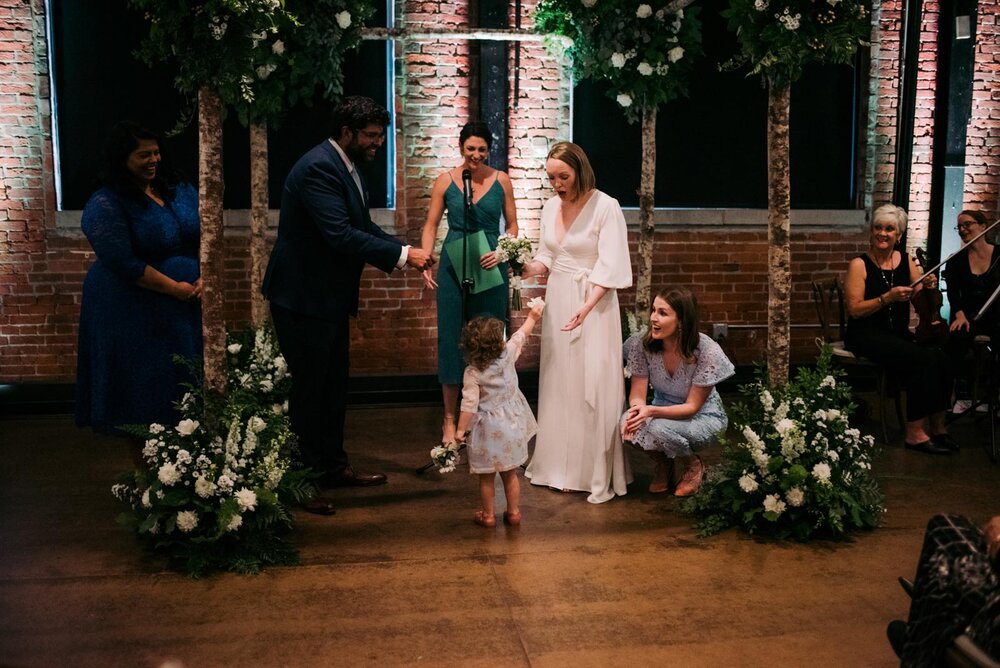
(924, 370)
(318, 356)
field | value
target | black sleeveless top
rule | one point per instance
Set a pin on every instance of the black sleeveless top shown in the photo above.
(893, 318)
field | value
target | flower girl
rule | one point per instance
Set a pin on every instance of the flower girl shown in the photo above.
(496, 420)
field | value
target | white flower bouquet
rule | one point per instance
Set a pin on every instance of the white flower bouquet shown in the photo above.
(797, 469)
(445, 456)
(517, 252)
(213, 489)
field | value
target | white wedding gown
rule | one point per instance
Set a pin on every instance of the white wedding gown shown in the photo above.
(581, 384)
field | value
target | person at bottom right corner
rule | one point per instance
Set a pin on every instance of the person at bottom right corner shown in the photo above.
(956, 591)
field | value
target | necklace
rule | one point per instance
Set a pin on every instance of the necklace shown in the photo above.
(888, 277)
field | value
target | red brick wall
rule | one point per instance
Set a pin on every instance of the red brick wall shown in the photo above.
(42, 265)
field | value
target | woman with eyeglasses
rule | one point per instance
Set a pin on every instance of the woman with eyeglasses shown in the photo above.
(877, 291)
(971, 276)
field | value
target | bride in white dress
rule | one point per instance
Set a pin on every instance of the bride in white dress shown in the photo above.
(584, 251)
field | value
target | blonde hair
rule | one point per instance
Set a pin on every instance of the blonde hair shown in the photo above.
(898, 215)
(577, 160)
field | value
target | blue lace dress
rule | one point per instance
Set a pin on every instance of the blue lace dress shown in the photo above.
(128, 334)
(681, 438)
(503, 422)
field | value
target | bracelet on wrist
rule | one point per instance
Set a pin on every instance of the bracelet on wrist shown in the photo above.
(881, 301)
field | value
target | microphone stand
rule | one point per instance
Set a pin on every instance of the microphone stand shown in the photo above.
(467, 283)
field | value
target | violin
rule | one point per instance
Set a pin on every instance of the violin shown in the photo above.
(931, 327)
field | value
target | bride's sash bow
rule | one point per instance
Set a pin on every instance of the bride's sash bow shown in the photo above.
(578, 336)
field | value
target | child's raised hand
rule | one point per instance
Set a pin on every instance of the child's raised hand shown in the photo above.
(537, 305)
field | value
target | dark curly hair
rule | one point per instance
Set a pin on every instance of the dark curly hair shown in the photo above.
(357, 112)
(685, 305)
(122, 140)
(476, 129)
(482, 341)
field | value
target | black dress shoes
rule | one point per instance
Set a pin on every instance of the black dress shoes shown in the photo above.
(319, 506)
(348, 477)
(945, 441)
(927, 446)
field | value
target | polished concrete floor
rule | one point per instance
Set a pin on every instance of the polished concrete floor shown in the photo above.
(401, 576)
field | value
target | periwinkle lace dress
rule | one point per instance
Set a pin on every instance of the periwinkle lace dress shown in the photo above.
(681, 438)
(503, 422)
(128, 334)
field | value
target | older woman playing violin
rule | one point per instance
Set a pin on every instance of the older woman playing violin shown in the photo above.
(877, 291)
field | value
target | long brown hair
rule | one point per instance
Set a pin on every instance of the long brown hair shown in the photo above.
(685, 305)
(482, 341)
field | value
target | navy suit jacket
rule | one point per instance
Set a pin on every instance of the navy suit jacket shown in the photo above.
(325, 238)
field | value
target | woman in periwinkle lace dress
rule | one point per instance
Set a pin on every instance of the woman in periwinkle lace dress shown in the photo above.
(683, 366)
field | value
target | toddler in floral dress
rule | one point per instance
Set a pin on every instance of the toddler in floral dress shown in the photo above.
(496, 420)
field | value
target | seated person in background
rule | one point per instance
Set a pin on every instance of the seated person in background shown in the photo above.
(683, 366)
(972, 276)
(877, 291)
(956, 591)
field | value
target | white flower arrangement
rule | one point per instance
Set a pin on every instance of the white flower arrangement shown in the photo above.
(214, 489)
(445, 456)
(797, 469)
(517, 252)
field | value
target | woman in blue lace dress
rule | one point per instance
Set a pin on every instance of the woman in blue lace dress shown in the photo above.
(492, 197)
(140, 302)
(683, 366)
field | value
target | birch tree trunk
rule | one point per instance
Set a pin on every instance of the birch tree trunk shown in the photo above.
(210, 188)
(647, 184)
(778, 230)
(258, 219)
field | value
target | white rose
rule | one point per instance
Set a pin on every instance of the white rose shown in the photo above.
(822, 471)
(277, 409)
(343, 19)
(618, 59)
(645, 69)
(675, 54)
(624, 99)
(187, 520)
(784, 426)
(644, 11)
(795, 496)
(256, 424)
(266, 385)
(234, 348)
(278, 48)
(186, 427)
(247, 498)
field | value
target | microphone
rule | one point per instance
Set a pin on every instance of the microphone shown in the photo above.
(467, 187)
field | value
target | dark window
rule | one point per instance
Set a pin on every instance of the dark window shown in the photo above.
(711, 146)
(99, 82)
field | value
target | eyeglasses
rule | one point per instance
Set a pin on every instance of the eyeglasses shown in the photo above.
(373, 136)
(964, 225)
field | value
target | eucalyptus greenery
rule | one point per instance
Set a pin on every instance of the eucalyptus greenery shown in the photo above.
(640, 49)
(796, 468)
(778, 38)
(261, 56)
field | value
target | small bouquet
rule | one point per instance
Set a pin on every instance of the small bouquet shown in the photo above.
(515, 251)
(445, 456)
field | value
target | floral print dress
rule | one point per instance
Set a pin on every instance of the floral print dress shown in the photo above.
(503, 422)
(681, 438)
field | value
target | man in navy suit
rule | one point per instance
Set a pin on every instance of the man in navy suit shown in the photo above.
(325, 238)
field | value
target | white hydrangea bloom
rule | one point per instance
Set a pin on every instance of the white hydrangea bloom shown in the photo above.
(795, 497)
(168, 474)
(187, 520)
(204, 487)
(822, 472)
(156, 428)
(645, 69)
(748, 483)
(773, 504)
